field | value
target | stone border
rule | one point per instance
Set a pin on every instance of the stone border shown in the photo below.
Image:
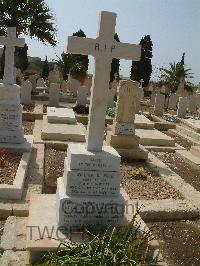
(15, 191)
(33, 184)
(162, 124)
(37, 114)
(189, 158)
(191, 126)
(187, 134)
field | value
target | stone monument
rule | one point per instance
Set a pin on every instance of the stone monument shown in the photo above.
(159, 105)
(54, 94)
(82, 96)
(26, 88)
(123, 136)
(182, 107)
(11, 130)
(92, 172)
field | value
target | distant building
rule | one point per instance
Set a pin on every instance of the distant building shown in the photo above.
(34, 59)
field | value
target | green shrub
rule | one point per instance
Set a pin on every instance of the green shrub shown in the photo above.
(78, 70)
(138, 173)
(119, 246)
(170, 118)
(110, 112)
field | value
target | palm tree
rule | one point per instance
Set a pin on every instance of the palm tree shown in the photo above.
(172, 76)
(30, 17)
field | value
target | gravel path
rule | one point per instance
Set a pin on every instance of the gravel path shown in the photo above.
(179, 242)
(9, 163)
(28, 127)
(179, 166)
(153, 187)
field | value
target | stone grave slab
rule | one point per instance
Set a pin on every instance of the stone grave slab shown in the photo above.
(45, 206)
(192, 123)
(62, 132)
(142, 122)
(60, 115)
(154, 138)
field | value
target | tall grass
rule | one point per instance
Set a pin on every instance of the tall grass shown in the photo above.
(117, 246)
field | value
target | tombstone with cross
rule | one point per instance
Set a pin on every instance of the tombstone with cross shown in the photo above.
(104, 48)
(10, 42)
(92, 171)
(11, 130)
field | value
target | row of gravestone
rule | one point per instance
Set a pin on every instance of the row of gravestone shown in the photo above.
(181, 104)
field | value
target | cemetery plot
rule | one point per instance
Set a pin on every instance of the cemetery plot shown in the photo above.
(9, 163)
(179, 241)
(29, 107)
(181, 141)
(179, 166)
(141, 182)
(28, 127)
(54, 167)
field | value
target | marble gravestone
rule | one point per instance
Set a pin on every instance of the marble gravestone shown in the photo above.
(26, 88)
(123, 136)
(11, 130)
(91, 178)
(41, 83)
(182, 107)
(173, 100)
(153, 98)
(111, 96)
(54, 94)
(159, 105)
(73, 85)
(139, 96)
(33, 80)
(82, 96)
(54, 75)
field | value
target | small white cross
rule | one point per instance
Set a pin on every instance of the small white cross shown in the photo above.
(10, 42)
(104, 48)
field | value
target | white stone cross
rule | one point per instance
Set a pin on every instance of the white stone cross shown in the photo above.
(10, 42)
(104, 48)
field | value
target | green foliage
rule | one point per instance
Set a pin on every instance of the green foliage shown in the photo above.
(119, 246)
(115, 63)
(170, 118)
(138, 173)
(78, 70)
(67, 61)
(143, 68)
(45, 70)
(110, 112)
(21, 57)
(31, 17)
(171, 76)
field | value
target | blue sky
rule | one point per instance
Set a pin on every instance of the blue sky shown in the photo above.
(174, 27)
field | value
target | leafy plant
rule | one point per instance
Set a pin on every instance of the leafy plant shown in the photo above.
(170, 118)
(78, 70)
(110, 112)
(138, 173)
(119, 246)
(171, 76)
